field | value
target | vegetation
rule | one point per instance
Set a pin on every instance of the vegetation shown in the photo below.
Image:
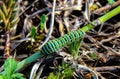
(10, 66)
(63, 72)
(59, 39)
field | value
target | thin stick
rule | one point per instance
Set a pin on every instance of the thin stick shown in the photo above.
(51, 26)
(95, 76)
(38, 12)
(28, 7)
(107, 7)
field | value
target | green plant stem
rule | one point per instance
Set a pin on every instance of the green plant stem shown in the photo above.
(110, 14)
(86, 28)
(102, 19)
(29, 60)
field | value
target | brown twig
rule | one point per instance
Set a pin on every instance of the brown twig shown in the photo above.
(108, 69)
(107, 7)
(97, 43)
(7, 44)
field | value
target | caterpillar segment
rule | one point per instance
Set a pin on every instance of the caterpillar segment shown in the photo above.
(56, 44)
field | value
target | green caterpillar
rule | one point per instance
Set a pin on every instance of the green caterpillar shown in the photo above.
(52, 46)
(56, 44)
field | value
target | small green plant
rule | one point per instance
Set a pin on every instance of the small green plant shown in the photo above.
(74, 48)
(10, 66)
(63, 72)
(53, 76)
(33, 32)
(93, 56)
(9, 16)
(42, 22)
(34, 29)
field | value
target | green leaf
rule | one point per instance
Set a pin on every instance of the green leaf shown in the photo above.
(93, 56)
(111, 1)
(4, 9)
(17, 76)
(67, 72)
(74, 47)
(10, 3)
(64, 72)
(14, 22)
(9, 66)
(2, 77)
(0, 27)
(53, 76)
(33, 32)
(2, 16)
(42, 22)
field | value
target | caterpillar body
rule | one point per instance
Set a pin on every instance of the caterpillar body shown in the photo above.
(56, 44)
